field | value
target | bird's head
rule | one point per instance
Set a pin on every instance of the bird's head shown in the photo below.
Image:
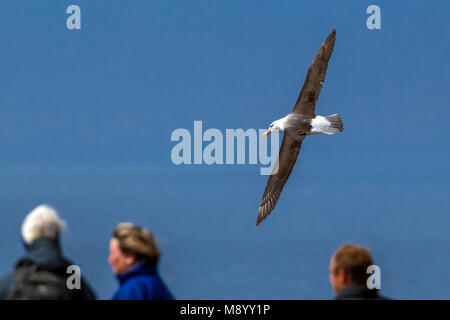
(276, 126)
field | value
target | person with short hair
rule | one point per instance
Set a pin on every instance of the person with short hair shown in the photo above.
(134, 255)
(42, 273)
(348, 273)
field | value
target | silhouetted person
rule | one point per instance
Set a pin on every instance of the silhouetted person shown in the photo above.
(348, 273)
(42, 274)
(134, 256)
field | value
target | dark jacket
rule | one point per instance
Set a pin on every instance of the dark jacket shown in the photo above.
(46, 253)
(358, 292)
(142, 283)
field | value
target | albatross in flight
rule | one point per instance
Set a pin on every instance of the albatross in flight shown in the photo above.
(301, 122)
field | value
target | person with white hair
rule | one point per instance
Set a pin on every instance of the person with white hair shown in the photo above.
(43, 221)
(43, 272)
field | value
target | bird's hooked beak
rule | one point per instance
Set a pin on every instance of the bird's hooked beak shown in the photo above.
(267, 132)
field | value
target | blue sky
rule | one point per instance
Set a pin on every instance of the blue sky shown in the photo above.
(86, 118)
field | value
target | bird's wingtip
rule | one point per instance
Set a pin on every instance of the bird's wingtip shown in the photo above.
(259, 218)
(332, 34)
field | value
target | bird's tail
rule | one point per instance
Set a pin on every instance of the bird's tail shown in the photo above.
(335, 125)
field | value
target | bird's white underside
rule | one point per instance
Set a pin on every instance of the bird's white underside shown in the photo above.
(319, 123)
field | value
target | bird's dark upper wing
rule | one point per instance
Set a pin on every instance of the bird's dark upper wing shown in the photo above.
(286, 159)
(306, 101)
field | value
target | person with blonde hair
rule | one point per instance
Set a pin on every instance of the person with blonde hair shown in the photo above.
(43, 273)
(134, 255)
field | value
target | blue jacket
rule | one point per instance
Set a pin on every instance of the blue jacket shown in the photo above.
(359, 292)
(142, 283)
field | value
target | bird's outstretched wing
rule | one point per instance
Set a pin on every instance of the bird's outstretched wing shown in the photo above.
(289, 151)
(306, 101)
